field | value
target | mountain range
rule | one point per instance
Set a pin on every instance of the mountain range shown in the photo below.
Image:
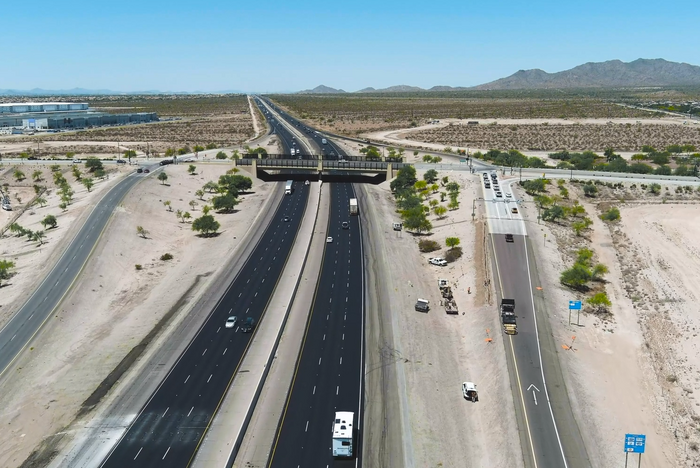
(610, 74)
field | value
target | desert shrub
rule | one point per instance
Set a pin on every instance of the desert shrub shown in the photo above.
(613, 214)
(655, 188)
(166, 257)
(590, 190)
(138, 267)
(453, 254)
(427, 245)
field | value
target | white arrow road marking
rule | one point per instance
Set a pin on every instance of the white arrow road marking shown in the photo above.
(534, 395)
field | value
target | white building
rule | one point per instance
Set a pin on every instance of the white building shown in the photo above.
(23, 107)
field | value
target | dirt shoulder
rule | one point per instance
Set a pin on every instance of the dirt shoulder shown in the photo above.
(116, 305)
(416, 362)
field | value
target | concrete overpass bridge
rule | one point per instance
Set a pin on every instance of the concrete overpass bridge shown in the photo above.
(310, 167)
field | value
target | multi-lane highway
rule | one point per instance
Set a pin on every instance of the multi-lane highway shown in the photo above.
(329, 373)
(28, 320)
(169, 429)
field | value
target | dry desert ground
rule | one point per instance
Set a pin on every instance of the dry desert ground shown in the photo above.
(116, 305)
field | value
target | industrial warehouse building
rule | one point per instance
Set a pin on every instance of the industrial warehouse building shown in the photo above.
(63, 115)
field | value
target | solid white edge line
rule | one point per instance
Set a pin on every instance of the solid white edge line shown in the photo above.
(539, 354)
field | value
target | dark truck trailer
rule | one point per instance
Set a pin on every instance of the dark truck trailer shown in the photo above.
(508, 316)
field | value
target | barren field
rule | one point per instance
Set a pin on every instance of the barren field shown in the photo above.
(553, 137)
(357, 114)
(635, 367)
(437, 352)
(116, 304)
(219, 120)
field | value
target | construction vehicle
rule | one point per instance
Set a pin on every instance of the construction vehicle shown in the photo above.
(508, 316)
(447, 296)
(469, 391)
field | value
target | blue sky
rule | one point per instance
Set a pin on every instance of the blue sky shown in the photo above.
(291, 45)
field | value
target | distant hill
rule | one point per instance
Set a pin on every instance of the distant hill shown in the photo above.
(393, 89)
(322, 89)
(610, 74)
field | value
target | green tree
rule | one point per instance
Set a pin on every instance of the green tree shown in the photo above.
(235, 184)
(186, 216)
(590, 190)
(198, 148)
(163, 177)
(452, 187)
(192, 204)
(655, 188)
(37, 175)
(63, 206)
(453, 204)
(533, 186)
(128, 154)
(168, 205)
(211, 146)
(18, 175)
(235, 155)
(76, 172)
(206, 209)
(93, 164)
(405, 178)
(440, 211)
(221, 155)
(200, 194)
(600, 302)
(430, 176)
(178, 215)
(192, 169)
(584, 256)
(577, 209)
(613, 214)
(225, 203)
(576, 276)
(579, 226)
(211, 186)
(599, 270)
(452, 242)
(100, 174)
(50, 221)
(141, 231)
(420, 185)
(648, 149)
(170, 152)
(553, 213)
(206, 225)
(39, 237)
(88, 183)
(6, 267)
(41, 201)
(16, 229)
(663, 170)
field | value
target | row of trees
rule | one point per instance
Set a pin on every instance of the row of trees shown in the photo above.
(6, 267)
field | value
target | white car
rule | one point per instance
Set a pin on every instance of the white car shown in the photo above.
(231, 321)
(437, 261)
(509, 195)
(469, 391)
(329, 239)
(499, 195)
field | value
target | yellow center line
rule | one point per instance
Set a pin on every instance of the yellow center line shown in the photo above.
(515, 363)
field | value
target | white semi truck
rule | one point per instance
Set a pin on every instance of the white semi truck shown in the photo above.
(353, 206)
(343, 434)
(288, 187)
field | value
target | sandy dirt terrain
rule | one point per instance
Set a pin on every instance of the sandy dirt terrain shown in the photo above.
(436, 352)
(538, 137)
(116, 304)
(634, 372)
(33, 260)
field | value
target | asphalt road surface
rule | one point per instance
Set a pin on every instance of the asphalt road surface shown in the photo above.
(35, 312)
(169, 429)
(542, 446)
(329, 373)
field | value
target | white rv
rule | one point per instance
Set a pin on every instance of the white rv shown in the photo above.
(343, 434)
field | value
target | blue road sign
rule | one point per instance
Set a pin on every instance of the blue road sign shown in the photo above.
(574, 305)
(635, 443)
(462, 160)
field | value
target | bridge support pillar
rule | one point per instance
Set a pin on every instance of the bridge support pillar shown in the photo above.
(389, 171)
(320, 166)
(252, 169)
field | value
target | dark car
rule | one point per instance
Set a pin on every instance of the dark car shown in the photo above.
(146, 171)
(509, 238)
(248, 325)
(166, 161)
(346, 225)
(121, 161)
(139, 170)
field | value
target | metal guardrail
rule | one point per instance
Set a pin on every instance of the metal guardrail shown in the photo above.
(326, 164)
